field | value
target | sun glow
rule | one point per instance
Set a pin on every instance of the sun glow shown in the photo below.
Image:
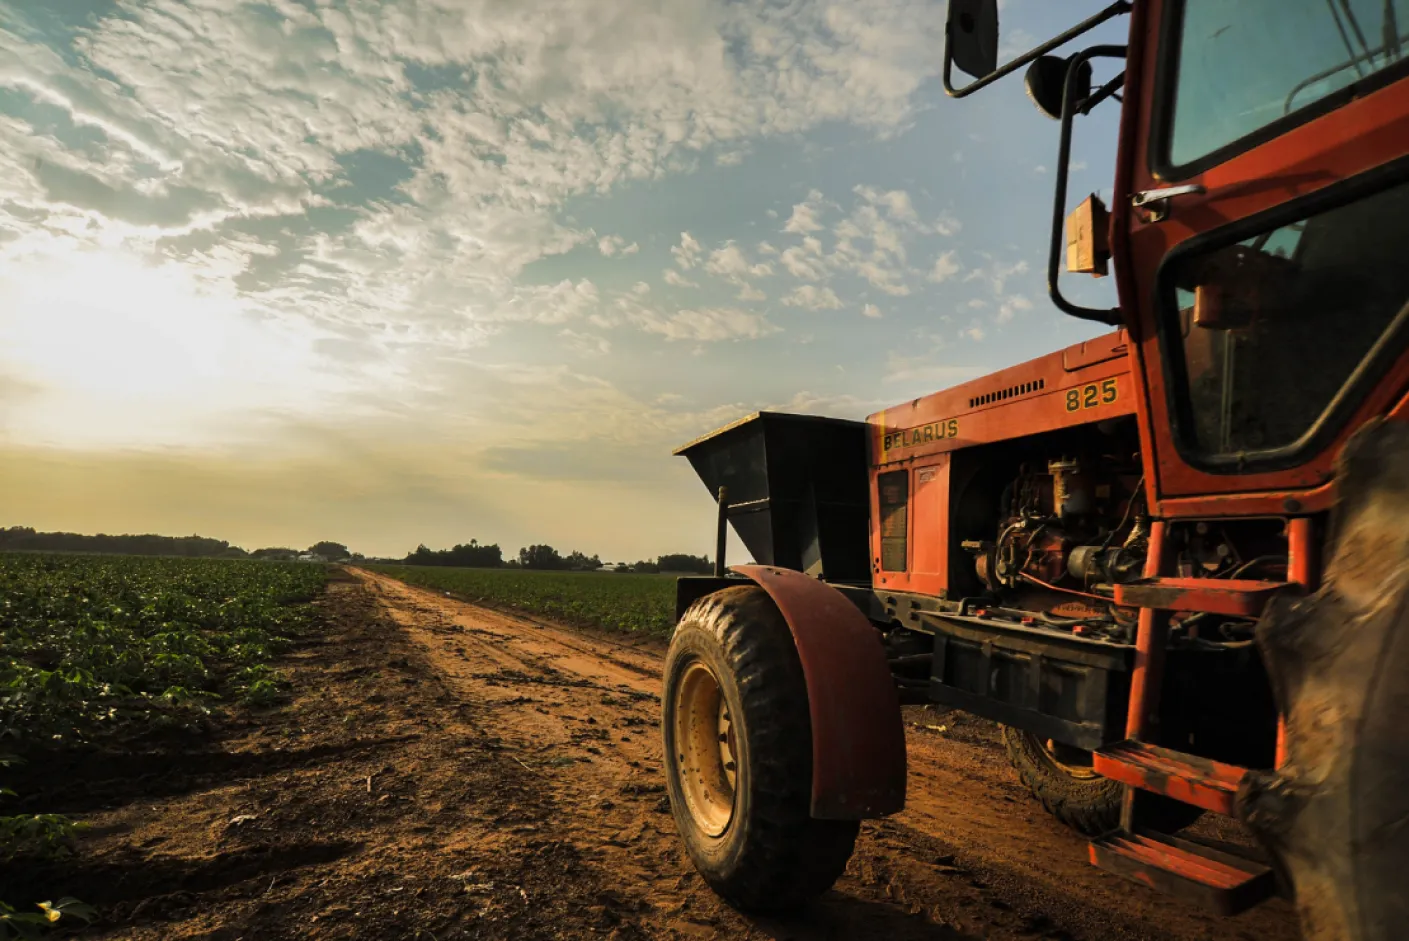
(113, 351)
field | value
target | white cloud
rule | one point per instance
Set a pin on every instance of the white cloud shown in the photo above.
(811, 297)
(610, 245)
(676, 279)
(804, 218)
(641, 288)
(731, 264)
(729, 158)
(711, 324)
(1010, 306)
(973, 332)
(996, 274)
(586, 344)
(947, 224)
(750, 293)
(803, 263)
(687, 253)
(871, 311)
(945, 267)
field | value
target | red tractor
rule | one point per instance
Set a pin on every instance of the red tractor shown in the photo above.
(1172, 561)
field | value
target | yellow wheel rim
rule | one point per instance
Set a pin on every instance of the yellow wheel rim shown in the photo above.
(705, 749)
(1074, 761)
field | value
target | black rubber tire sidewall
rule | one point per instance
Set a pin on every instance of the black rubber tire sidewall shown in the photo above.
(774, 856)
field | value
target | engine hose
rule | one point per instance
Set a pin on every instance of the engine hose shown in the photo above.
(1070, 591)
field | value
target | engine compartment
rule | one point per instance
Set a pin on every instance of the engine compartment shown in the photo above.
(1072, 521)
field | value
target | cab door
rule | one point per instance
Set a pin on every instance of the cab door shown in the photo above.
(1260, 230)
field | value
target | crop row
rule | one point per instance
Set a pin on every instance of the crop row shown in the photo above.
(88, 643)
(639, 604)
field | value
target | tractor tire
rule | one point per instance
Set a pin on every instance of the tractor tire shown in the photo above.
(738, 756)
(1061, 779)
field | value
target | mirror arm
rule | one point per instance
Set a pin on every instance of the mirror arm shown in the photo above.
(1118, 8)
(1109, 316)
(1102, 93)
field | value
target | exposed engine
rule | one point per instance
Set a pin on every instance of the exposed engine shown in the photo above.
(1071, 529)
(1076, 522)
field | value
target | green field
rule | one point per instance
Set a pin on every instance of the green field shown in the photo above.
(638, 604)
(92, 642)
(103, 647)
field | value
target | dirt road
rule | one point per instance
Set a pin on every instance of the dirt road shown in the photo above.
(455, 772)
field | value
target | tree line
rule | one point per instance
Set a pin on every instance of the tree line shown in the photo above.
(468, 555)
(547, 558)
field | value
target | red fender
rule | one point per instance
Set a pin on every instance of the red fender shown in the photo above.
(858, 739)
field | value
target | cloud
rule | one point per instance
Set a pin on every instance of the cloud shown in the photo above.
(710, 324)
(676, 279)
(750, 293)
(610, 245)
(871, 311)
(805, 262)
(945, 267)
(811, 297)
(586, 344)
(1010, 306)
(729, 158)
(732, 265)
(996, 274)
(687, 253)
(947, 224)
(804, 218)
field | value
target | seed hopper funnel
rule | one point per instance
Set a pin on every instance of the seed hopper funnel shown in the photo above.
(796, 490)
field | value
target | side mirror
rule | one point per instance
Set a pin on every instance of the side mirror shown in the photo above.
(973, 36)
(1046, 82)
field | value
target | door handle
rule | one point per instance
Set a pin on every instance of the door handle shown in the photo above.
(1156, 202)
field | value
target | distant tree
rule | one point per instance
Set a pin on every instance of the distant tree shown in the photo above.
(645, 568)
(578, 562)
(541, 557)
(26, 539)
(679, 562)
(471, 555)
(274, 553)
(622, 567)
(332, 551)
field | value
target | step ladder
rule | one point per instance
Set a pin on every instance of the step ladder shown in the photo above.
(1223, 879)
(1219, 881)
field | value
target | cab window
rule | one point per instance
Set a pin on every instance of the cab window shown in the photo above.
(1243, 70)
(1269, 332)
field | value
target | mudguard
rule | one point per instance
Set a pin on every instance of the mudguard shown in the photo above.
(1336, 814)
(858, 739)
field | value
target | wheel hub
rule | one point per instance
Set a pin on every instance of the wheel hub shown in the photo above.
(705, 748)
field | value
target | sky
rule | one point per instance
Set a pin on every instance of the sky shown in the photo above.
(393, 273)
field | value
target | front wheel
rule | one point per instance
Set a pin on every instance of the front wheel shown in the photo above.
(1061, 777)
(738, 756)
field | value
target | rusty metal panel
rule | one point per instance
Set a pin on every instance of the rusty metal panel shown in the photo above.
(858, 740)
(1233, 597)
(929, 526)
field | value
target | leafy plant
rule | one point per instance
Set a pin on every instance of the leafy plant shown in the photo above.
(16, 924)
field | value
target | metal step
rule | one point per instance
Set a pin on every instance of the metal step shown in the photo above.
(1220, 882)
(1231, 596)
(1211, 785)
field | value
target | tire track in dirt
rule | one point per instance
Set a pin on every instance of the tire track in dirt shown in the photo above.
(972, 856)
